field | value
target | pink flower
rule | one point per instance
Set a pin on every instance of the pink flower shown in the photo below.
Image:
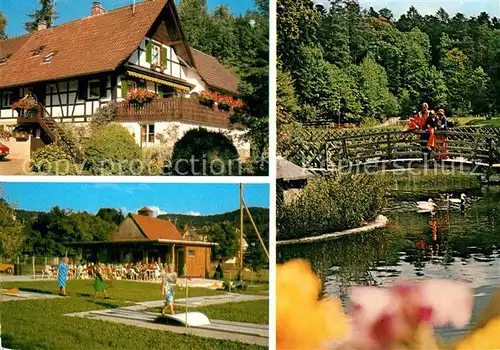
(382, 317)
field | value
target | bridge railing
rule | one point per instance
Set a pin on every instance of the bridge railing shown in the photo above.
(386, 146)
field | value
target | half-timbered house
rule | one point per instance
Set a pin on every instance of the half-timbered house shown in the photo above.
(77, 67)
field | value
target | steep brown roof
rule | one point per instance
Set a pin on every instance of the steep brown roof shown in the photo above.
(214, 73)
(156, 229)
(90, 45)
(10, 46)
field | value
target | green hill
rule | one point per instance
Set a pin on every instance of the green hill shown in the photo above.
(260, 217)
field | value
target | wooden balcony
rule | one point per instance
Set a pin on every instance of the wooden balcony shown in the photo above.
(28, 117)
(188, 110)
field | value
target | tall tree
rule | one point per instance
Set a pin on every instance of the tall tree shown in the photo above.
(336, 47)
(375, 95)
(196, 22)
(435, 90)
(47, 13)
(387, 14)
(297, 25)
(221, 35)
(316, 84)
(227, 237)
(409, 21)
(111, 215)
(456, 67)
(3, 25)
(479, 91)
(12, 237)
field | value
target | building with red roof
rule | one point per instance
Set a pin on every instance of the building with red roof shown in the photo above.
(142, 237)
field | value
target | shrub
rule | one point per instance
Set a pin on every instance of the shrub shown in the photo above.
(103, 116)
(45, 159)
(111, 150)
(155, 159)
(203, 152)
(328, 205)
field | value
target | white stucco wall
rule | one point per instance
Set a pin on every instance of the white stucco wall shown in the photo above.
(172, 131)
(194, 78)
(173, 68)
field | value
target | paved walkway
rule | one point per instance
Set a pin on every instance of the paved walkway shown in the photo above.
(136, 315)
(14, 166)
(21, 295)
(200, 301)
(219, 329)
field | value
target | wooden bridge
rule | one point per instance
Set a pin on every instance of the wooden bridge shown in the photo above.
(382, 150)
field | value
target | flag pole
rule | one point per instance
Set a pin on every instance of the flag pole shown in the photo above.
(241, 230)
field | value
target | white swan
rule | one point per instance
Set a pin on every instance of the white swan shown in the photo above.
(462, 200)
(425, 207)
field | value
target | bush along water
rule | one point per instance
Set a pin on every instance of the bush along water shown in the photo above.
(331, 204)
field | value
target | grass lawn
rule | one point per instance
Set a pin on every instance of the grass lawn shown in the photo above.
(249, 276)
(476, 121)
(40, 324)
(246, 311)
(420, 182)
(119, 290)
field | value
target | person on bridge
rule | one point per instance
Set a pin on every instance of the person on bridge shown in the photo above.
(430, 127)
(442, 125)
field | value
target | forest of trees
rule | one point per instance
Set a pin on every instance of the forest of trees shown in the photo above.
(348, 63)
(50, 233)
(242, 43)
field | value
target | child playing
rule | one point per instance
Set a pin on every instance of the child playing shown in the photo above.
(167, 289)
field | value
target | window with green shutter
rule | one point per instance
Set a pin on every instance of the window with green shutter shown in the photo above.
(165, 58)
(149, 51)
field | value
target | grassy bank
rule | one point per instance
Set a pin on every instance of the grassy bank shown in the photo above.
(415, 182)
(41, 324)
(475, 121)
(246, 311)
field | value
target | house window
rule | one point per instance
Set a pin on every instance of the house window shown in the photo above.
(190, 252)
(37, 51)
(4, 60)
(7, 99)
(94, 90)
(48, 57)
(156, 61)
(147, 133)
(37, 133)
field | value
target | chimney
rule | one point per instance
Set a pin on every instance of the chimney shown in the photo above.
(145, 212)
(97, 8)
(42, 24)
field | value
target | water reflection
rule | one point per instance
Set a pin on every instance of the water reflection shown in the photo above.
(453, 242)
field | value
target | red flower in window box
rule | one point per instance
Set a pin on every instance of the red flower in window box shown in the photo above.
(25, 107)
(26, 104)
(207, 98)
(140, 96)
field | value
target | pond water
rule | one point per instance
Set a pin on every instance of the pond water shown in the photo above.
(452, 242)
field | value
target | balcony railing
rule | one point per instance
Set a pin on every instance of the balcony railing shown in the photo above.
(181, 109)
